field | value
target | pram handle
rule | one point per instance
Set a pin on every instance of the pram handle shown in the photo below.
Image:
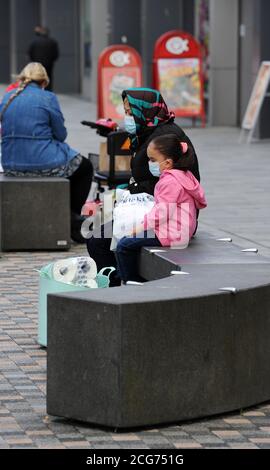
(87, 123)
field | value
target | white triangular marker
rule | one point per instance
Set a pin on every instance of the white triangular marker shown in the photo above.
(178, 272)
(134, 283)
(250, 250)
(224, 239)
(232, 290)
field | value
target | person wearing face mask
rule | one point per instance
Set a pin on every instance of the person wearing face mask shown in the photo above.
(178, 195)
(148, 117)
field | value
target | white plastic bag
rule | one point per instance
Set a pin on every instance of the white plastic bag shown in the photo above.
(129, 212)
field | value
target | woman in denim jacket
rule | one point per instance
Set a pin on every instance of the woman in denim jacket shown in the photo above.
(33, 139)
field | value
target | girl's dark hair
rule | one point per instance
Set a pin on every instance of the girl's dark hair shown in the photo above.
(170, 146)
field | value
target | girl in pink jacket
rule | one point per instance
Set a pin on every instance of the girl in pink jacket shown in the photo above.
(178, 197)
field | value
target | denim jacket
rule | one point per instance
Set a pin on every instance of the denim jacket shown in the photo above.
(33, 132)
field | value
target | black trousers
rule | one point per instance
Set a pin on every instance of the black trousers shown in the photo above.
(99, 249)
(80, 184)
(50, 75)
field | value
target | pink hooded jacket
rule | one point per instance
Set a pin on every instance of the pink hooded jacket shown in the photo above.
(178, 195)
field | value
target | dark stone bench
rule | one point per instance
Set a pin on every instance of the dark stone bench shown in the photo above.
(157, 263)
(172, 349)
(34, 214)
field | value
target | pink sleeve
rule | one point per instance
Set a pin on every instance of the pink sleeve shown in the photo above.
(167, 192)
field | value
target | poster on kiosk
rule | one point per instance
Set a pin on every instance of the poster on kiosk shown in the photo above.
(119, 68)
(177, 74)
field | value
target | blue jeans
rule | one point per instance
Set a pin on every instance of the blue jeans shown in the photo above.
(127, 255)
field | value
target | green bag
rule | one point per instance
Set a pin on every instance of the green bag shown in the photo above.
(47, 285)
(103, 280)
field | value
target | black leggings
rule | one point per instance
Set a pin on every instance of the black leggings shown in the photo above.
(99, 249)
(80, 184)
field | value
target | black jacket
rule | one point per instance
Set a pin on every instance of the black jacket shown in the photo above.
(44, 50)
(144, 180)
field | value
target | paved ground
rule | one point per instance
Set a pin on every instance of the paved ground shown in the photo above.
(236, 181)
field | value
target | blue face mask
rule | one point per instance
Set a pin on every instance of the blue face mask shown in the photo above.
(154, 169)
(130, 124)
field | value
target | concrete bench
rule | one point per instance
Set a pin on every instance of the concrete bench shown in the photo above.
(34, 214)
(157, 263)
(172, 349)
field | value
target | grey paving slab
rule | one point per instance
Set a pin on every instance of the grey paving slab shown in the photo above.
(236, 180)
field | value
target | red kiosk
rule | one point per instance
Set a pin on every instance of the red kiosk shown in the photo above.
(177, 74)
(119, 67)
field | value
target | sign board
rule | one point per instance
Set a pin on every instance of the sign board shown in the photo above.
(178, 74)
(119, 68)
(256, 99)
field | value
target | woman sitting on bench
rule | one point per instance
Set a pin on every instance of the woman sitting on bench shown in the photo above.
(178, 195)
(33, 140)
(146, 118)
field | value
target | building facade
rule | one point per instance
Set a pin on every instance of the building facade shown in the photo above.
(234, 33)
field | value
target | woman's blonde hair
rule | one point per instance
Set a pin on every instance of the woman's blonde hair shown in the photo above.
(33, 72)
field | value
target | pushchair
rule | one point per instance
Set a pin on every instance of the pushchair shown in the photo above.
(117, 145)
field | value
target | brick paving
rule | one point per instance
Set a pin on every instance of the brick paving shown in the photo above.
(23, 420)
